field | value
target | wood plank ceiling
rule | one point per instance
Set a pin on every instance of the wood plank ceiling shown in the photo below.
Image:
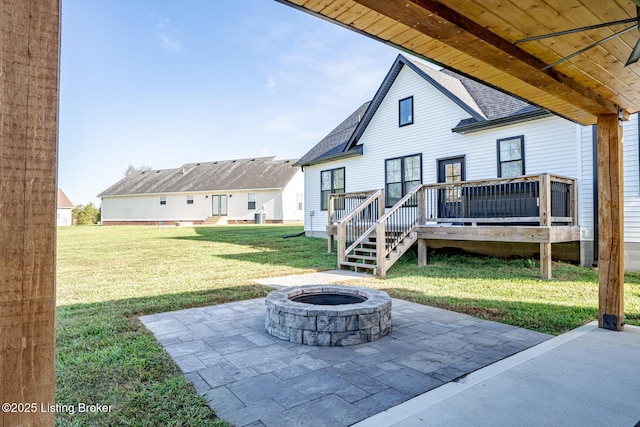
(475, 37)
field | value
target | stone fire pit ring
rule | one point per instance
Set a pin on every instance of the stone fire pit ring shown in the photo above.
(359, 315)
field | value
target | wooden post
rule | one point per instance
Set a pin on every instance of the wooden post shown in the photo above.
(341, 242)
(545, 221)
(422, 220)
(422, 252)
(381, 249)
(575, 207)
(29, 52)
(610, 223)
(331, 209)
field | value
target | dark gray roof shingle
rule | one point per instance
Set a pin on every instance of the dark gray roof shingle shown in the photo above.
(225, 175)
(335, 142)
(493, 103)
(486, 106)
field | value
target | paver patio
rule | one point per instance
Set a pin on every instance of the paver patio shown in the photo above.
(252, 378)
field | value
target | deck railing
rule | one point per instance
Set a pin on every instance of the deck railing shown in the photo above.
(342, 204)
(536, 199)
(355, 226)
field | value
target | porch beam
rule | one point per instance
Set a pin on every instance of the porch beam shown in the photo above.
(451, 28)
(29, 65)
(610, 223)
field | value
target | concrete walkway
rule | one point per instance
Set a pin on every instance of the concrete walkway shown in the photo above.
(586, 377)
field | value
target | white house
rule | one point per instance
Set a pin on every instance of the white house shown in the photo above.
(426, 126)
(221, 192)
(65, 208)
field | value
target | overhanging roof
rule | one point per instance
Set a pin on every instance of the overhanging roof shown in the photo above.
(475, 37)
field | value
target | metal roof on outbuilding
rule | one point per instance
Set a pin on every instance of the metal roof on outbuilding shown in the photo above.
(224, 175)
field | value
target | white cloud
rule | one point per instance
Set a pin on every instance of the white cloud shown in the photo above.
(169, 38)
(271, 84)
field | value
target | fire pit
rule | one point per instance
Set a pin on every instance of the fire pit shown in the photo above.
(328, 315)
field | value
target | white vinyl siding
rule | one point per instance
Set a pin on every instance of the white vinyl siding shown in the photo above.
(277, 205)
(550, 145)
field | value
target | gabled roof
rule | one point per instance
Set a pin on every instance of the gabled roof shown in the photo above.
(332, 146)
(63, 201)
(224, 175)
(486, 106)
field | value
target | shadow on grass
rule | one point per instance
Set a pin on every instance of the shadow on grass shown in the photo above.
(268, 245)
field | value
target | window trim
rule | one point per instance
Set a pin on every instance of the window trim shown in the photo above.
(410, 122)
(249, 201)
(403, 181)
(522, 158)
(332, 190)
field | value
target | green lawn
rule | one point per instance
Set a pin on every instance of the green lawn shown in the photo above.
(108, 276)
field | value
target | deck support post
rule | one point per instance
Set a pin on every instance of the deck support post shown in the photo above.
(381, 249)
(29, 66)
(330, 213)
(545, 221)
(422, 252)
(610, 223)
(422, 220)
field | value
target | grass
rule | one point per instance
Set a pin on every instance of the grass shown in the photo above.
(506, 290)
(108, 276)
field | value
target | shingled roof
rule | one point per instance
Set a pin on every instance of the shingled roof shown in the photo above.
(486, 106)
(225, 175)
(333, 145)
(63, 201)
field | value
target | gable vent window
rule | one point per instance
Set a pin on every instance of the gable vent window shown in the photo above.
(511, 157)
(251, 200)
(406, 111)
(163, 200)
(189, 200)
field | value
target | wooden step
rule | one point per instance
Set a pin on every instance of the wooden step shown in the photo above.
(364, 251)
(358, 265)
(361, 257)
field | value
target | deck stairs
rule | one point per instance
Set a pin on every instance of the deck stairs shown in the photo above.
(366, 251)
(364, 257)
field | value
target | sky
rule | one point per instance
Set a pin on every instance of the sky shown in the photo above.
(163, 83)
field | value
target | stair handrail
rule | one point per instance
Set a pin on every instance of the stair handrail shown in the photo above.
(400, 204)
(341, 241)
(361, 206)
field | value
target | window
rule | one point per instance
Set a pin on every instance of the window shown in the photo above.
(299, 199)
(331, 181)
(189, 200)
(511, 157)
(163, 200)
(402, 175)
(251, 200)
(406, 111)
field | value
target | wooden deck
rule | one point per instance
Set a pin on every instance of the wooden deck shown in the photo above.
(539, 209)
